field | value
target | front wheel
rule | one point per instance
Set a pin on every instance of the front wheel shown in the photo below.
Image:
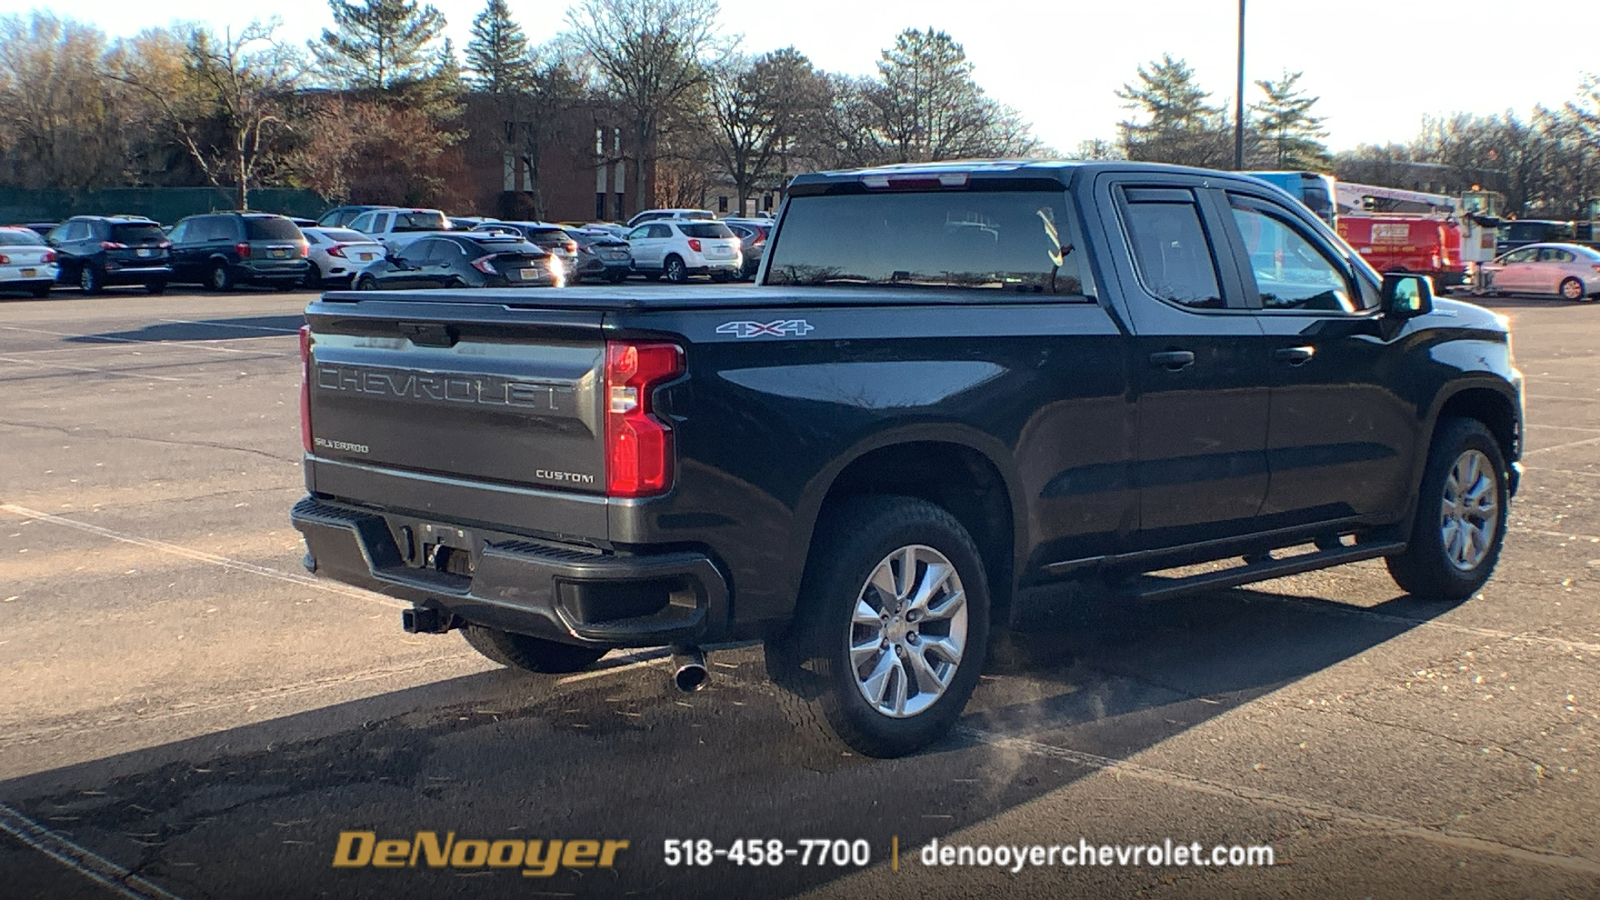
(890, 630)
(1571, 289)
(533, 654)
(1461, 516)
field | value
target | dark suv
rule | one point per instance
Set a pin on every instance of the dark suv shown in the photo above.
(95, 251)
(221, 250)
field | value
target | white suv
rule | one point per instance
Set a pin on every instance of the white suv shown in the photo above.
(678, 248)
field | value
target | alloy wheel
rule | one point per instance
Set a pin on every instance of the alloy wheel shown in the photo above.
(908, 632)
(1467, 514)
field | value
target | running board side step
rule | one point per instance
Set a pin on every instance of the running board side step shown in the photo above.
(1157, 587)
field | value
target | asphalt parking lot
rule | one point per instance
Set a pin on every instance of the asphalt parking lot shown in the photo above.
(189, 715)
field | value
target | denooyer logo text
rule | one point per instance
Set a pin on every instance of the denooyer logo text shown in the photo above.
(536, 858)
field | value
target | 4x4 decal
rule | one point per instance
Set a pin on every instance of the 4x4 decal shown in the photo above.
(798, 327)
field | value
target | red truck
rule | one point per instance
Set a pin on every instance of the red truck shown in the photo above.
(1398, 243)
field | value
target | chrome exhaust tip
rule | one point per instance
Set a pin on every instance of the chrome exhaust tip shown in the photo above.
(689, 672)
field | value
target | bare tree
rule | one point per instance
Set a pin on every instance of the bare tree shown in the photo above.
(929, 107)
(651, 59)
(231, 120)
(756, 111)
(57, 118)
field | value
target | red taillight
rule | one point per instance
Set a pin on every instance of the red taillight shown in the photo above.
(336, 250)
(694, 244)
(485, 264)
(243, 249)
(165, 245)
(639, 457)
(572, 246)
(305, 251)
(1433, 261)
(112, 245)
(49, 257)
(305, 387)
(4, 260)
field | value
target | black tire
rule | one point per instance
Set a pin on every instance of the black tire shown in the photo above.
(674, 270)
(1571, 289)
(366, 283)
(313, 280)
(530, 653)
(285, 286)
(220, 277)
(819, 687)
(40, 291)
(617, 277)
(90, 281)
(722, 277)
(1430, 568)
(651, 276)
(155, 287)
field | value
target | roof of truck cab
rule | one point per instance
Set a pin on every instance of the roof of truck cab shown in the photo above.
(1056, 169)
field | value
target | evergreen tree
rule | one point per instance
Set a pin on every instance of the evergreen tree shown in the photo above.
(1180, 127)
(498, 54)
(380, 45)
(930, 107)
(1289, 136)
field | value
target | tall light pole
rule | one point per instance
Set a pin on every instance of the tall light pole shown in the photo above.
(1238, 103)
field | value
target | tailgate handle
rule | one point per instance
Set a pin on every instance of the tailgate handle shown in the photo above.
(430, 334)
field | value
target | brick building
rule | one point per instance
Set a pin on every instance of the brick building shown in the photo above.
(577, 167)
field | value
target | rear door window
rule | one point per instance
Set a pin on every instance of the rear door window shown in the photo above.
(707, 230)
(1001, 241)
(420, 220)
(137, 234)
(20, 239)
(271, 229)
(1171, 251)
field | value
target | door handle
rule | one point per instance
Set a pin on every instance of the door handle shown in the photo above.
(1295, 356)
(1173, 360)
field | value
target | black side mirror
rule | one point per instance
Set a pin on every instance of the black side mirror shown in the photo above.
(1407, 296)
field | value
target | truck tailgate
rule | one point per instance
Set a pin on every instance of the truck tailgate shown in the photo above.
(450, 386)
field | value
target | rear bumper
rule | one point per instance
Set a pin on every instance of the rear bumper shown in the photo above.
(137, 274)
(565, 593)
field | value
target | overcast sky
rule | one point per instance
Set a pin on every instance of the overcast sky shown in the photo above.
(1379, 66)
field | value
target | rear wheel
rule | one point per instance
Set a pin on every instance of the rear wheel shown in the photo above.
(90, 281)
(221, 277)
(675, 270)
(155, 287)
(1571, 289)
(313, 280)
(1461, 516)
(617, 277)
(366, 283)
(41, 291)
(530, 653)
(890, 629)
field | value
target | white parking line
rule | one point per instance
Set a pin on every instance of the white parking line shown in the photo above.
(202, 556)
(1308, 808)
(43, 365)
(82, 860)
(1567, 446)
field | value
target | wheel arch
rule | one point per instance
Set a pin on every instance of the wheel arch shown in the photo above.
(966, 474)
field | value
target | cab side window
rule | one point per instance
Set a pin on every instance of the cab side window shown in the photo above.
(1290, 271)
(1171, 252)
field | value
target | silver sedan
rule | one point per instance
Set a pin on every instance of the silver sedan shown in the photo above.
(1570, 271)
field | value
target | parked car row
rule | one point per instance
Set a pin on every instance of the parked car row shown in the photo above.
(348, 244)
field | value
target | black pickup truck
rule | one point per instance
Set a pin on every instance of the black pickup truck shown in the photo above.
(955, 394)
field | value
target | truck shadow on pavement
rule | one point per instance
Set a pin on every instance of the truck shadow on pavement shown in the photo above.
(199, 330)
(257, 810)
